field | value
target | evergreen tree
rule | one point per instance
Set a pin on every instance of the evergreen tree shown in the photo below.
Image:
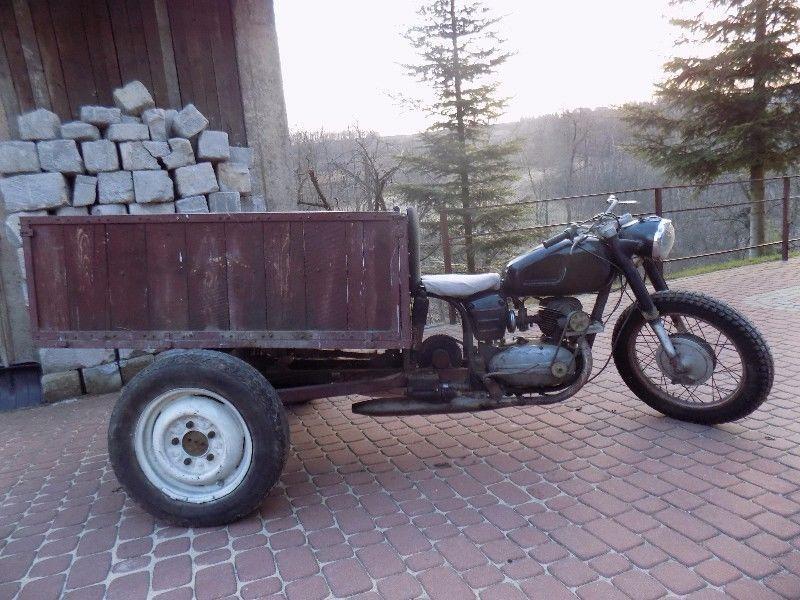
(737, 110)
(460, 51)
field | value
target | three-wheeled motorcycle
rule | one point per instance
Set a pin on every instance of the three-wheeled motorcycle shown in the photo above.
(262, 310)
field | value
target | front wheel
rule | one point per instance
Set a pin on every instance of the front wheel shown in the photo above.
(726, 370)
(198, 438)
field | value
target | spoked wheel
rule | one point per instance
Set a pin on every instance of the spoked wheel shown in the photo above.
(724, 369)
(198, 438)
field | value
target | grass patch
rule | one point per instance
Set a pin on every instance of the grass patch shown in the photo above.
(730, 264)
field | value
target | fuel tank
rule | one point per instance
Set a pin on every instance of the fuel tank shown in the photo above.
(559, 270)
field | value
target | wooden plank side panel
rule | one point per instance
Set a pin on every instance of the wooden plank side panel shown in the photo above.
(15, 56)
(285, 275)
(226, 73)
(207, 277)
(127, 276)
(167, 276)
(50, 278)
(87, 277)
(325, 250)
(247, 296)
(51, 62)
(102, 51)
(356, 277)
(380, 254)
(74, 54)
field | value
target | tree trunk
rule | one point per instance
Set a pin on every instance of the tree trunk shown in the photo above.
(469, 246)
(757, 210)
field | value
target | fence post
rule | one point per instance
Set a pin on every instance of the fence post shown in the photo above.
(658, 201)
(447, 256)
(787, 187)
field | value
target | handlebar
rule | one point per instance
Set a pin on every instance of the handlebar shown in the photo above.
(552, 241)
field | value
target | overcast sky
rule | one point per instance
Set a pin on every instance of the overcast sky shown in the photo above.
(342, 58)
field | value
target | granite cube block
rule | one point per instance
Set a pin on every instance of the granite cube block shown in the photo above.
(84, 190)
(34, 191)
(72, 211)
(108, 209)
(254, 203)
(242, 155)
(156, 121)
(61, 386)
(80, 131)
(102, 379)
(133, 98)
(100, 156)
(18, 157)
(192, 204)
(234, 177)
(102, 116)
(224, 202)
(194, 180)
(40, 124)
(181, 155)
(189, 122)
(60, 156)
(127, 132)
(157, 149)
(152, 186)
(115, 187)
(160, 208)
(135, 157)
(213, 146)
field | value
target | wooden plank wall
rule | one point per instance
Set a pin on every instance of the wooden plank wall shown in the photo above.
(61, 54)
(297, 275)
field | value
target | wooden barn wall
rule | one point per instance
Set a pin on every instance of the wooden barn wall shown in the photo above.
(61, 54)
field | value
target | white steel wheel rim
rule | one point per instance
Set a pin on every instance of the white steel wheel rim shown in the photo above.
(193, 445)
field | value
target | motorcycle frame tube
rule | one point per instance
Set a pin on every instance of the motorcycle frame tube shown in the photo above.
(654, 270)
(621, 255)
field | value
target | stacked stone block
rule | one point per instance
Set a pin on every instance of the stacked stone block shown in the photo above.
(132, 158)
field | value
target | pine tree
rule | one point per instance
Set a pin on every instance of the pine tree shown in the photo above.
(737, 110)
(465, 170)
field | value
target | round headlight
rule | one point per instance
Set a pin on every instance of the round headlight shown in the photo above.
(663, 239)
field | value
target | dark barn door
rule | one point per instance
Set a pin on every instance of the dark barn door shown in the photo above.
(62, 54)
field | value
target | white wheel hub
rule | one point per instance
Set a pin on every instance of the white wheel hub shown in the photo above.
(193, 445)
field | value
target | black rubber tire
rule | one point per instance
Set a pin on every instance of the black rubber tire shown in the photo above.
(758, 366)
(247, 390)
(440, 341)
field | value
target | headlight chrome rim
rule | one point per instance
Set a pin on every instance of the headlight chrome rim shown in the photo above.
(663, 239)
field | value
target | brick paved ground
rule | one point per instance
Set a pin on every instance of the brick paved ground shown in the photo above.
(598, 497)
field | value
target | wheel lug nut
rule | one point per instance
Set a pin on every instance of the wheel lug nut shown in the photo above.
(210, 457)
(187, 461)
(190, 424)
(175, 441)
(211, 434)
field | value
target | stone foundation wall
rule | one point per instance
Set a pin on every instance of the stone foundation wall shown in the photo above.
(133, 158)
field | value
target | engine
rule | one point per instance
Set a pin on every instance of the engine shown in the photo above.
(554, 360)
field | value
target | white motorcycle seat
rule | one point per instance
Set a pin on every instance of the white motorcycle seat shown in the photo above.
(460, 286)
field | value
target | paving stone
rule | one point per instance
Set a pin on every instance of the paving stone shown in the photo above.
(72, 211)
(131, 119)
(115, 187)
(242, 155)
(124, 132)
(156, 121)
(102, 379)
(157, 149)
(192, 204)
(84, 190)
(135, 157)
(254, 203)
(213, 146)
(181, 155)
(152, 186)
(234, 177)
(188, 122)
(224, 202)
(54, 360)
(100, 156)
(13, 224)
(194, 180)
(34, 191)
(40, 124)
(154, 208)
(18, 157)
(101, 116)
(133, 98)
(108, 209)
(60, 156)
(80, 131)
(60, 386)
